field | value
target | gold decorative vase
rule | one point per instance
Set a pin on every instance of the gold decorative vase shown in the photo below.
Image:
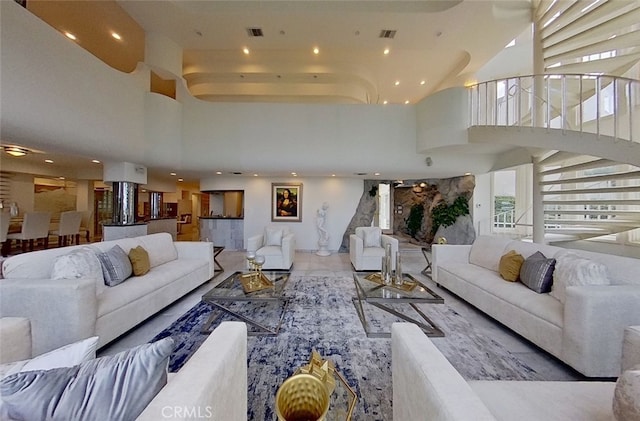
(302, 397)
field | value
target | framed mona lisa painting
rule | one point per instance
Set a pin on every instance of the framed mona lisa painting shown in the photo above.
(286, 202)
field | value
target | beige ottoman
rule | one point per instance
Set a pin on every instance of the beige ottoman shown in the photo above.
(631, 347)
(15, 339)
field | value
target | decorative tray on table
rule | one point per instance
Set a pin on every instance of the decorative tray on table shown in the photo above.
(407, 285)
(255, 281)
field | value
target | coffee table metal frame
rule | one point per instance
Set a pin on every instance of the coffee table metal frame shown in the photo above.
(230, 291)
(382, 296)
(217, 267)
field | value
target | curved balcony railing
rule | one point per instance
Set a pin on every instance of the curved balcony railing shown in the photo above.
(598, 104)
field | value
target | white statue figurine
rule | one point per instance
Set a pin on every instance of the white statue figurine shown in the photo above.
(321, 222)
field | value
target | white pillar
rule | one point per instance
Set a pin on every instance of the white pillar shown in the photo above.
(537, 206)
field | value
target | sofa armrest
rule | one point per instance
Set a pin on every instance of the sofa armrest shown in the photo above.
(356, 247)
(445, 253)
(594, 321)
(211, 385)
(255, 242)
(631, 348)
(202, 250)
(425, 384)
(15, 339)
(61, 311)
(288, 249)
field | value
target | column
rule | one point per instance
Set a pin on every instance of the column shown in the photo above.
(155, 204)
(125, 178)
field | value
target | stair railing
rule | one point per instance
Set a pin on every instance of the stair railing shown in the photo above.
(599, 104)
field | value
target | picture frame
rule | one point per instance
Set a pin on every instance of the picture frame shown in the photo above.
(286, 202)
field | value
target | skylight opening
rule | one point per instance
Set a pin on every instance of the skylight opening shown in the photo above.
(511, 43)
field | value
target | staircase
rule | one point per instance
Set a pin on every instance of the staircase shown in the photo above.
(587, 197)
(580, 120)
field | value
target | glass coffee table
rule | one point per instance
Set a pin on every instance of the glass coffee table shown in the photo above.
(259, 302)
(394, 300)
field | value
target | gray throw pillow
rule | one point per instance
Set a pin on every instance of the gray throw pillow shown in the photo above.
(117, 387)
(537, 272)
(116, 266)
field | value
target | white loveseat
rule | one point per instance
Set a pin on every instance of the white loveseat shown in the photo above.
(427, 386)
(63, 311)
(585, 332)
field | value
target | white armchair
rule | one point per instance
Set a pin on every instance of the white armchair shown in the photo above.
(277, 245)
(366, 248)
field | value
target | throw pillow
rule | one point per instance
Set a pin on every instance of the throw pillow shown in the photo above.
(626, 396)
(537, 272)
(572, 270)
(510, 264)
(273, 237)
(372, 237)
(139, 260)
(80, 263)
(116, 387)
(66, 356)
(116, 266)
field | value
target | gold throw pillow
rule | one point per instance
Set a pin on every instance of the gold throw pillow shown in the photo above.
(509, 266)
(139, 261)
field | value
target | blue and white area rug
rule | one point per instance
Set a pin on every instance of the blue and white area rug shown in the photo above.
(321, 316)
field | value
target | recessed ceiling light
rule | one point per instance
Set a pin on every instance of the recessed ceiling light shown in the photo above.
(180, 179)
(70, 35)
(61, 178)
(376, 173)
(293, 173)
(316, 50)
(255, 175)
(406, 102)
(172, 174)
(397, 83)
(245, 50)
(333, 175)
(219, 172)
(385, 102)
(48, 161)
(116, 36)
(422, 82)
(386, 51)
(467, 173)
(95, 161)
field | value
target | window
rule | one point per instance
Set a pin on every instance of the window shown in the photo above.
(384, 207)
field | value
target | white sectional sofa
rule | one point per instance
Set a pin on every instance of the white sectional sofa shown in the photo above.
(62, 311)
(211, 385)
(585, 332)
(427, 386)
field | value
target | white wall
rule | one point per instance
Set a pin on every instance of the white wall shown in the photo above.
(482, 199)
(342, 194)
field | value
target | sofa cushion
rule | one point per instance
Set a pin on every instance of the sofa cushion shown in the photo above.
(273, 237)
(109, 388)
(486, 251)
(572, 270)
(509, 267)
(537, 272)
(372, 236)
(626, 396)
(160, 248)
(116, 266)
(139, 260)
(79, 263)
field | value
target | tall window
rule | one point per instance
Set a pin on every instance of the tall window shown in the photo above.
(384, 207)
(504, 199)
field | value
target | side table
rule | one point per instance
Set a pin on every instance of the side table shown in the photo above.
(218, 269)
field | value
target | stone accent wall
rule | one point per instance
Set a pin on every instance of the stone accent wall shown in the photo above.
(428, 194)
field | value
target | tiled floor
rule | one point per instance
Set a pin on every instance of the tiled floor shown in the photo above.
(413, 262)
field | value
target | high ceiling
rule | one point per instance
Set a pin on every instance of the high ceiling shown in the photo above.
(436, 44)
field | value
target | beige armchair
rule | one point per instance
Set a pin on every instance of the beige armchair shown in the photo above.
(367, 247)
(277, 244)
